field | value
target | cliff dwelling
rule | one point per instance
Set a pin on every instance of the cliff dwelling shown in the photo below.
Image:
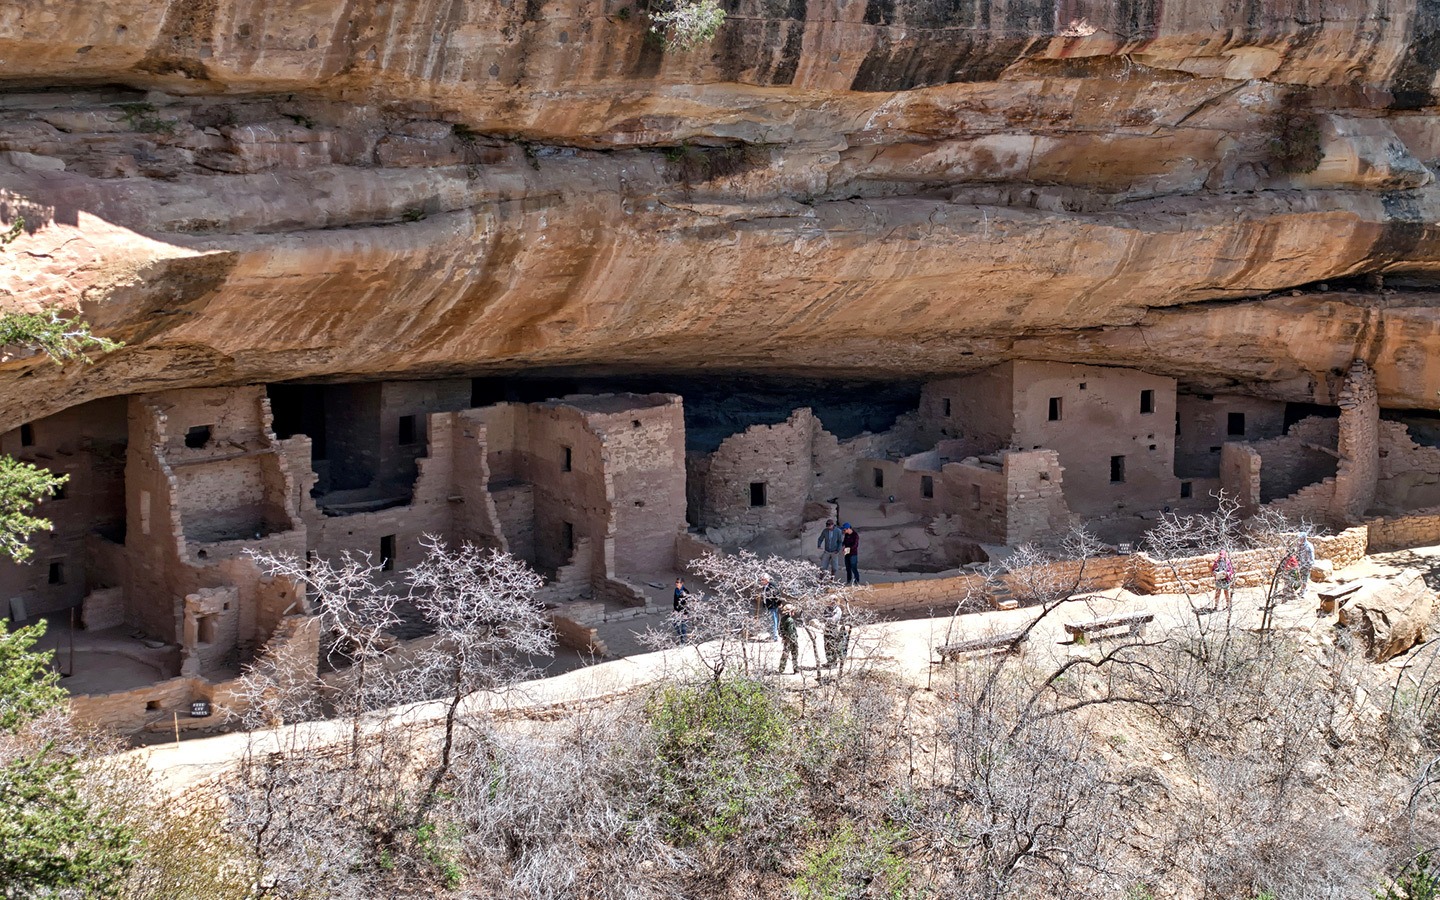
(606, 494)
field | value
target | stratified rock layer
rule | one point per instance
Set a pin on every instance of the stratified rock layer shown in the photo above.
(269, 191)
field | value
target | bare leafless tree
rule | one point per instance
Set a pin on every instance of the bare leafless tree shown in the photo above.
(487, 624)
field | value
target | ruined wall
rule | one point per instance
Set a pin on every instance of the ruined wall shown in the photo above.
(430, 510)
(1240, 475)
(477, 520)
(976, 493)
(1409, 472)
(569, 494)
(415, 401)
(375, 432)
(1359, 445)
(173, 491)
(1100, 417)
(1034, 496)
(835, 462)
(1204, 423)
(86, 443)
(515, 511)
(778, 457)
(941, 595)
(1289, 463)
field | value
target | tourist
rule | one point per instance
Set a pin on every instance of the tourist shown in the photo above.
(834, 632)
(682, 604)
(1304, 563)
(770, 598)
(1224, 570)
(850, 547)
(830, 542)
(789, 638)
(1292, 578)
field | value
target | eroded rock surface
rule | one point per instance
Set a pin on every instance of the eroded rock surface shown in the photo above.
(265, 191)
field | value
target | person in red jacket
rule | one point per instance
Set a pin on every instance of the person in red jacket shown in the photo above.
(850, 546)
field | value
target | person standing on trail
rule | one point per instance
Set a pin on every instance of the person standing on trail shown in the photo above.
(789, 639)
(682, 609)
(850, 547)
(769, 597)
(829, 544)
(1293, 577)
(1304, 563)
(1224, 570)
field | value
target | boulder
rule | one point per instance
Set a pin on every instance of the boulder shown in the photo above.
(1322, 570)
(1389, 615)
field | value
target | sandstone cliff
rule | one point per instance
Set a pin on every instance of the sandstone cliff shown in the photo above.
(263, 191)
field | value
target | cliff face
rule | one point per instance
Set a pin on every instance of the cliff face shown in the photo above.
(264, 191)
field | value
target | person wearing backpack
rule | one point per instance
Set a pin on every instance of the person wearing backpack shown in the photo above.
(1224, 570)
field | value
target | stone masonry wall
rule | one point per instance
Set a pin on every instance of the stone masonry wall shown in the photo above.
(1409, 472)
(1292, 462)
(1253, 568)
(1419, 529)
(1035, 497)
(1204, 427)
(1103, 415)
(778, 456)
(86, 443)
(976, 495)
(1359, 445)
(1240, 476)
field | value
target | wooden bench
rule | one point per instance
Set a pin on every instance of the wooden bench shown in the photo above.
(1334, 598)
(1133, 623)
(1009, 642)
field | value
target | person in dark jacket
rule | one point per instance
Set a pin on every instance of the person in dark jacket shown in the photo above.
(829, 546)
(682, 609)
(789, 638)
(850, 547)
(770, 599)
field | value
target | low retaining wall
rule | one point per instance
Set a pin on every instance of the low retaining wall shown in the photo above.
(1139, 572)
(1253, 568)
(942, 594)
(1418, 529)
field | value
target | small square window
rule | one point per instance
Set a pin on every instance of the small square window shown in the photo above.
(406, 433)
(57, 572)
(946, 403)
(1235, 425)
(1055, 408)
(59, 493)
(568, 459)
(927, 487)
(1186, 489)
(198, 436)
(27, 435)
(1117, 469)
(1147, 402)
(387, 553)
(1152, 446)
(757, 493)
(1215, 449)
(879, 477)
